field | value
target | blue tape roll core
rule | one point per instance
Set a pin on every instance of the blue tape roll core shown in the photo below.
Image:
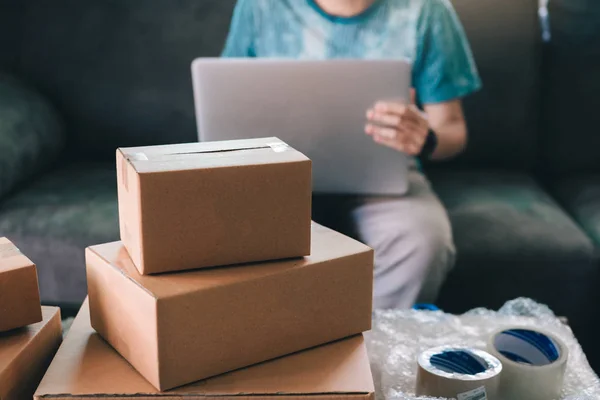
(526, 346)
(459, 362)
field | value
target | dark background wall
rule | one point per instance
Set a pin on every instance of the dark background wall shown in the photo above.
(119, 70)
(571, 76)
(11, 21)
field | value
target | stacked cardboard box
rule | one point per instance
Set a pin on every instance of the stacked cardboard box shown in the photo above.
(200, 205)
(29, 333)
(87, 367)
(19, 292)
(219, 268)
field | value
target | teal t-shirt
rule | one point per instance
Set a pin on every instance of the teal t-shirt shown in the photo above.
(427, 33)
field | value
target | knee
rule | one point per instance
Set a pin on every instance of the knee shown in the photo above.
(424, 245)
(414, 252)
(433, 242)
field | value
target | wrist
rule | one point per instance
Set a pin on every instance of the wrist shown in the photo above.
(430, 145)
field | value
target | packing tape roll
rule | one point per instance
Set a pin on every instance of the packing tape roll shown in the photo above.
(533, 363)
(460, 373)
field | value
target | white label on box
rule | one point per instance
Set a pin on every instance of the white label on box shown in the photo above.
(475, 394)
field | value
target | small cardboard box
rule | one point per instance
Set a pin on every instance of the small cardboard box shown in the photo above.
(19, 292)
(198, 205)
(87, 367)
(179, 328)
(25, 354)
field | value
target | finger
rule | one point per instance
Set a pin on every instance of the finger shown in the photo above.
(411, 113)
(390, 107)
(410, 140)
(391, 143)
(410, 146)
(407, 148)
(386, 132)
(392, 120)
(416, 144)
(413, 96)
(408, 125)
(403, 141)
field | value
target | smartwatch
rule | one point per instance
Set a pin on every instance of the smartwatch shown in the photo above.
(430, 145)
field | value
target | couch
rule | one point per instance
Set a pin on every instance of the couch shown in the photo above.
(524, 199)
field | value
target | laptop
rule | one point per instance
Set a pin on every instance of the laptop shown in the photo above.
(317, 107)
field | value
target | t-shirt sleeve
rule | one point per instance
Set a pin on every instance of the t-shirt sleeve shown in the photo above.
(444, 68)
(241, 37)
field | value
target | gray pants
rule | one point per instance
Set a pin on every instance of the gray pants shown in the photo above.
(411, 236)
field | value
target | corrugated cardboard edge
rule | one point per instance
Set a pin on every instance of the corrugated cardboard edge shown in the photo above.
(29, 363)
(241, 396)
(128, 191)
(102, 299)
(93, 253)
(136, 283)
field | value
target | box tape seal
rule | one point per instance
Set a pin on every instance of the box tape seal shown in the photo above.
(137, 157)
(278, 147)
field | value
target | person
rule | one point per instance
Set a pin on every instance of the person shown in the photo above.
(411, 235)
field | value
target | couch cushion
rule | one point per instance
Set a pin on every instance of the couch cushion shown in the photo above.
(513, 240)
(580, 195)
(56, 217)
(571, 86)
(120, 70)
(508, 216)
(502, 117)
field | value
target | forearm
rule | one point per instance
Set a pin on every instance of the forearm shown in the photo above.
(447, 120)
(451, 140)
(405, 128)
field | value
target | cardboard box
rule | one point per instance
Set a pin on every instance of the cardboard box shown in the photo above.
(87, 367)
(25, 354)
(19, 292)
(180, 328)
(198, 205)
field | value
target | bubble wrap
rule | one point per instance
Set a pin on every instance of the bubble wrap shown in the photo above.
(398, 336)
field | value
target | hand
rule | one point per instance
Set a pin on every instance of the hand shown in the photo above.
(400, 126)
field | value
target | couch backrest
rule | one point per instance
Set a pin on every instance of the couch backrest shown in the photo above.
(571, 105)
(503, 117)
(119, 70)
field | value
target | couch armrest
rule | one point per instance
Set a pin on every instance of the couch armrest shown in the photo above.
(31, 133)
